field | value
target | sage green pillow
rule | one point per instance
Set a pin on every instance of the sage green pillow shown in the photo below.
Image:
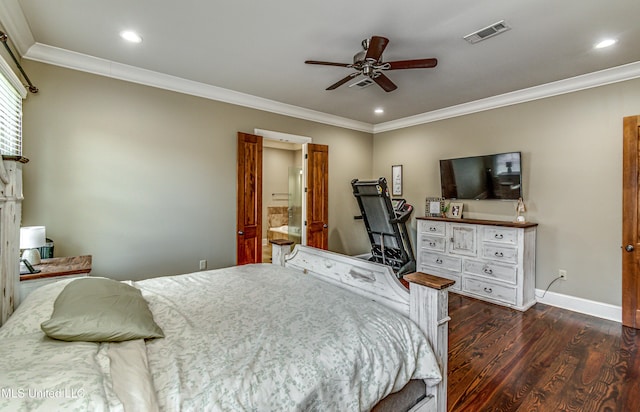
(100, 310)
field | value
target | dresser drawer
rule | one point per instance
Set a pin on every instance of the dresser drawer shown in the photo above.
(431, 227)
(439, 261)
(490, 290)
(491, 270)
(432, 242)
(500, 253)
(500, 235)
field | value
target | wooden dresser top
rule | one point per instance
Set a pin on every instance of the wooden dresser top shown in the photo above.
(480, 222)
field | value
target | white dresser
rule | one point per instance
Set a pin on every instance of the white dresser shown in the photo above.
(489, 260)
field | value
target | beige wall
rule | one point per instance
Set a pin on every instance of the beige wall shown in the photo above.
(572, 161)
(144, 179)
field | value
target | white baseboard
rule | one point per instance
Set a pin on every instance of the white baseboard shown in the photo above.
(588, 307)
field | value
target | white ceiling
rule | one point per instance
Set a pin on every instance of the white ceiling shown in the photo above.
(258, 48)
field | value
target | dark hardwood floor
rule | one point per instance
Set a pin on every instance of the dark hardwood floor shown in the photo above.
(545, 359)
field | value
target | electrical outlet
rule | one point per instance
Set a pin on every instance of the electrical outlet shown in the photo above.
(203, 264)
(562, 274)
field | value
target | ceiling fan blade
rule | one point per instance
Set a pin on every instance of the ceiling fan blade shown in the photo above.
(377, 45)
(327, 63)
(343, 81)
(384, 82)
(412, 64)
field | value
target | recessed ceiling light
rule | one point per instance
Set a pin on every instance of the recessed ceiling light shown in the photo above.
(379, 110)
(131, 36)
(605, 43)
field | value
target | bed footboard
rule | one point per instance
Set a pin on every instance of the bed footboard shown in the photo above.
(426, 302)
(429, 308)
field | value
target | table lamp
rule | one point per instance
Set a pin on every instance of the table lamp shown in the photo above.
(32, 238)
(520, 210)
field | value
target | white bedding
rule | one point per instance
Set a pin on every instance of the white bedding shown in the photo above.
(255, 337)
(38, 373)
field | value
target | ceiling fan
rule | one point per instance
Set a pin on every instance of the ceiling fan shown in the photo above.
(369, 62)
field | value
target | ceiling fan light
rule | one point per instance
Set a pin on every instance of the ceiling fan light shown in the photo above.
(368, 64)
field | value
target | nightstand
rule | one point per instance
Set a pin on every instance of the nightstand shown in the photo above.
(52, 270)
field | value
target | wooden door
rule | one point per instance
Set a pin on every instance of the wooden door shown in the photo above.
(249, 200)
(318, 196)
(630, 220)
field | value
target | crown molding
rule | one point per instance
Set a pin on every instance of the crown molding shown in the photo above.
(587, 81)
(16, 25)
(77, 61)
(14, 22)
(82, 62)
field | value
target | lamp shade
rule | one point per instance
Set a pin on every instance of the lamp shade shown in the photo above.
(32, 237)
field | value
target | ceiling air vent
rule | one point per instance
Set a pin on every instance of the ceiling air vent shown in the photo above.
(362, 83)
(489, 31)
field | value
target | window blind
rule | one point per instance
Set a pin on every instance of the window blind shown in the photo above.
(10, 119)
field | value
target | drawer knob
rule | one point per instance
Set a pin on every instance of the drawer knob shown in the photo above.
(499, 254)
(498, 236)
(488, 271)
(488, 290)
(439, 261)
(432, 229)
(432, 244)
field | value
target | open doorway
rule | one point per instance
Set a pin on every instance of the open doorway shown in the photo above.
(283, 177)
(282, 189)
(249, 206)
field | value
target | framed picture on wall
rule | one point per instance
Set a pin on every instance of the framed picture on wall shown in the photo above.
(396, 180)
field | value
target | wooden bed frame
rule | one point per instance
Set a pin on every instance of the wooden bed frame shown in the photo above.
(426, 302)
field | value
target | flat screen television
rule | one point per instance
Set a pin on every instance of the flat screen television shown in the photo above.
(496, 176)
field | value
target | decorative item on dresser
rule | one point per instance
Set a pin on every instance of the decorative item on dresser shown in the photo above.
(520, 211)
(489, 260)
(52, 270)
(434, 206)
(455, 210)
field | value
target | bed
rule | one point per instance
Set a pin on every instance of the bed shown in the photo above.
(325, 332)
